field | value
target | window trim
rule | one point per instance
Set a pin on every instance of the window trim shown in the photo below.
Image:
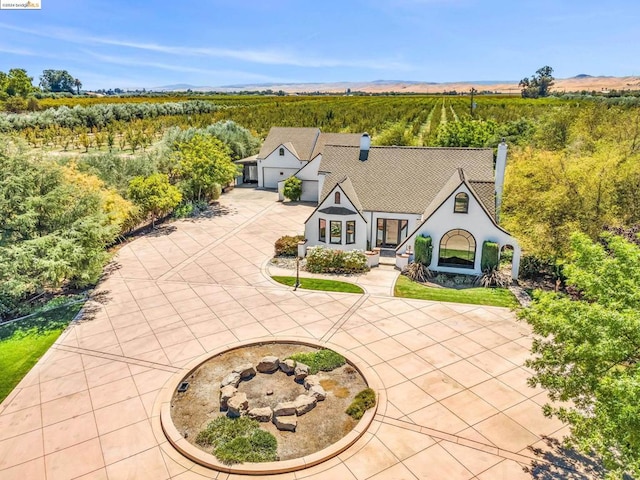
(471, 240)
(346, 232)
(336, 198)
(281, 152)
(338, 222)
(322, 231)
(461, 203)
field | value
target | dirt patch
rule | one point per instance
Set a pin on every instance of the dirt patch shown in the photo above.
(324, 425)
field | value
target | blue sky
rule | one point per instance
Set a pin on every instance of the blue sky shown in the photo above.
(153, 43)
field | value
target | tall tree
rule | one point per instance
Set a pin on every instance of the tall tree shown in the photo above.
(18, 83)
(587, 353)
(203, 166)
(154, 195)
(539, 85)
(57, 81)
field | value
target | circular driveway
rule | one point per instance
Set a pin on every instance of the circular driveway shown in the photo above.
(454, 403)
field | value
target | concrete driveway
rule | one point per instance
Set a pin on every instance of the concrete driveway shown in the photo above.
(455, 403)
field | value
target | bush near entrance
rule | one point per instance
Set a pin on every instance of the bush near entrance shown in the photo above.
(292, 189)
(326, 260)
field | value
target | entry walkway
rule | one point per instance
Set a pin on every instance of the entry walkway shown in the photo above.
(455, 403)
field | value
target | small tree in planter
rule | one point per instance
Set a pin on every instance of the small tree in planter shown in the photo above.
(292, 189)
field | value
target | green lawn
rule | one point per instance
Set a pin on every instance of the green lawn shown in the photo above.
(22, 343)
(498, 297)
(320, 284)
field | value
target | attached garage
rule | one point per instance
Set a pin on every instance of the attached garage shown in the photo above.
(309, 191)
(272, 175)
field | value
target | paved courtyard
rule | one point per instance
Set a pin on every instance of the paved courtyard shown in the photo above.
(455, 403)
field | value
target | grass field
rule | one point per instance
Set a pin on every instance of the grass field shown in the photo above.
(320, 284)
(497, 297)
(23, 343)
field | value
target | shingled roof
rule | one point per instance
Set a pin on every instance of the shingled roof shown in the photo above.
(407, 179)
(305, 143)
(302, 139)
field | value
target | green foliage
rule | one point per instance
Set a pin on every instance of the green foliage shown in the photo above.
(423, 250)
(154, 195)
(16, 83)
(364, 400)
(417, 272)
(320, 284)
(287, 246)
(326, 260)
(56, 225)
(57, 81)
(466, 133)
(202, 166)
(586, 350)
(539, 85)
(490, 255)
(492, 277)
(292, 188)
(323, 360)
(190, 209)
(238, 440)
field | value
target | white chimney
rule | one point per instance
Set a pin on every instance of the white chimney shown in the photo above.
(365, 143)
(501, 165)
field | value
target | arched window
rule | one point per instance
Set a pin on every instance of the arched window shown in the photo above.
(336, 198)
(457, 249)
(281, 152)
(462, 203)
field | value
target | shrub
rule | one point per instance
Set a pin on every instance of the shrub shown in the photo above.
(418, 272)
(238, 440)
(423, 249)
(321, 361)
(287, 246)
(493, 277)
(363, 402)
(490, 255)
(292, 189)
(326, 260)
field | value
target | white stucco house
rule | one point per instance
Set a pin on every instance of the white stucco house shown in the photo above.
(385, 197)
(295, 151)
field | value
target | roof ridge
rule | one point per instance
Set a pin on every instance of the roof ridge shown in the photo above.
(414, 147)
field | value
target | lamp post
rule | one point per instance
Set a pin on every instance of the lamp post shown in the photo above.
(295, 287)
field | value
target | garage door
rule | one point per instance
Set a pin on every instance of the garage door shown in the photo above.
(272, 176)
(309, 191)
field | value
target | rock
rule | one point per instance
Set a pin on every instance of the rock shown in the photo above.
(261, 414)
(284, 409)
(301, 371)
(225, 394)
(288, 366)
(304, 404)
(318, 392)
(232, 379)
(237, 405)
(268, 364)
(269, 392)
(287, 422)
(246, 371)
(310, 381)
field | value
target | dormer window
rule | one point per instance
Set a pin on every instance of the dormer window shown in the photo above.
(281, 152)
(462, 203)
(336, 198)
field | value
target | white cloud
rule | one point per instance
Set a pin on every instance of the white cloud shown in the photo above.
(262, 56)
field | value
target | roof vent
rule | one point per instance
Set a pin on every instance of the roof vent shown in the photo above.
(365, 143)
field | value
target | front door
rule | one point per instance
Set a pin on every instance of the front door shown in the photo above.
(391, 232)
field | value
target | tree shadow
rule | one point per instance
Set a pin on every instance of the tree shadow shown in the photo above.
(161, 230)
(216, 210)
(560, 462)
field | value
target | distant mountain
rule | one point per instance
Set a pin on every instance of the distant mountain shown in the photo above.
(580, 82)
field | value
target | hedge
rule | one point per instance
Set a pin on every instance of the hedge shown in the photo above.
(287, 246)
(326, 260)
(490, 255)
(423, 249)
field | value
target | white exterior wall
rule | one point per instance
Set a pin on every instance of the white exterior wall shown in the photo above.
(269, 168)
(476, 222)
(309, 191)
(310, 185)
(312, 226)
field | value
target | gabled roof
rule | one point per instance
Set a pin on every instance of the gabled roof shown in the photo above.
(306, 143)
(347, 139)
(302, 139)
(347, 188)
(405, 179)
(251, 159)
